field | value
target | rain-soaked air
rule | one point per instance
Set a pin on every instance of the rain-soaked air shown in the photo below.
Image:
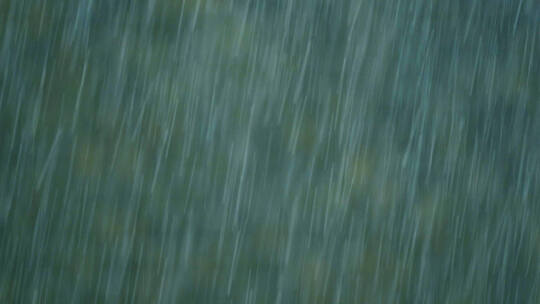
(270, 151)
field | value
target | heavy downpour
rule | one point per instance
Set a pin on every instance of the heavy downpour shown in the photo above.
(270, 151)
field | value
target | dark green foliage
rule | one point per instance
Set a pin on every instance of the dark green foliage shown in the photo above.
(205, 151)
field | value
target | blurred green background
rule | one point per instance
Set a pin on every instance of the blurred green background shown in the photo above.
(269, 151)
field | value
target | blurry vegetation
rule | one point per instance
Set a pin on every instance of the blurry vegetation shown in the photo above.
(225, 151)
